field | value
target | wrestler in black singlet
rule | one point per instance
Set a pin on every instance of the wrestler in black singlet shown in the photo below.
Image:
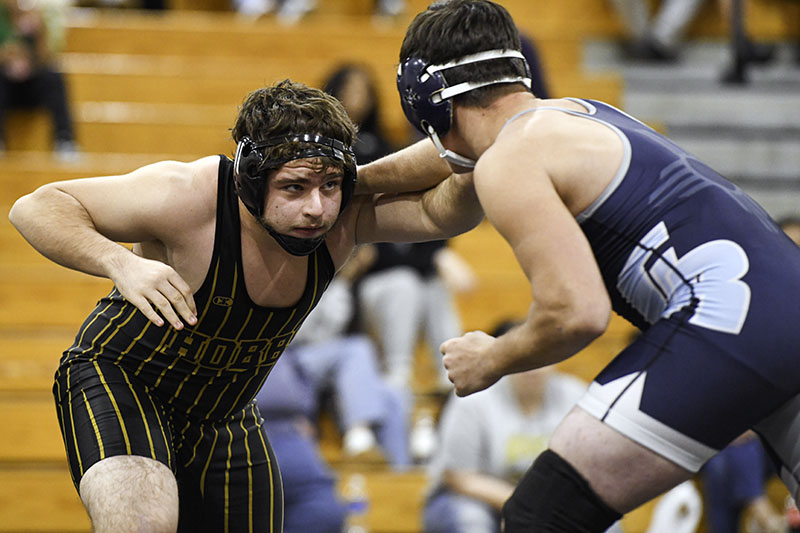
(185, 398)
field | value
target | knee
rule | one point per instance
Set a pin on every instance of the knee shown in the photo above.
(130, 494)
(553, 496)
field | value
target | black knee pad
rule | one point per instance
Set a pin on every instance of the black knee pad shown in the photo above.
(553, 497)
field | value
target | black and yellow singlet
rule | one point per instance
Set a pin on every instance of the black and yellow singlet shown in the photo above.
(185, 398)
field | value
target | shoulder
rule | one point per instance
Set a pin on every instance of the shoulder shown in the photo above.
(188, 189)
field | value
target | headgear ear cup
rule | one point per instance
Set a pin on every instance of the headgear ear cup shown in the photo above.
(246, 178)
(248, 159)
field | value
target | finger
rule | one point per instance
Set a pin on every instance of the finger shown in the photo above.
(144, 306)
(178, 302)
(445, 346)
(165, 307)
(186, 292)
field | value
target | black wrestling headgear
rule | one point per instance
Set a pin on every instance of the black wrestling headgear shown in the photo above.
(250, 171)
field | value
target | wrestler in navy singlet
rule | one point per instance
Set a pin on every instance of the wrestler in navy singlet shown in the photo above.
(185, 397)
(713, 283)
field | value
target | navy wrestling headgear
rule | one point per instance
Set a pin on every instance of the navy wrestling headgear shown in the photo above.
(250, 171)
(426, 97)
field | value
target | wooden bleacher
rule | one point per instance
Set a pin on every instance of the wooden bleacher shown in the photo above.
(146, 87)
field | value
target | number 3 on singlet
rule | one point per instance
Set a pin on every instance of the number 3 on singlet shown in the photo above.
(712, 272)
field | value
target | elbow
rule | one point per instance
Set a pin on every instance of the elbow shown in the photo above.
(589, 320)
(17, 214)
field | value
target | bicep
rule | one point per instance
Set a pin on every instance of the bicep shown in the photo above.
(527, 211)
(393, 218)
(134, 207)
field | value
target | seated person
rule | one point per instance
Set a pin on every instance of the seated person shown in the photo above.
(734, 485)
(288, 404)
(30, 39)
(487, 442)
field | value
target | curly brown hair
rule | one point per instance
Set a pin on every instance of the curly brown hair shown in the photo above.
(289, 107)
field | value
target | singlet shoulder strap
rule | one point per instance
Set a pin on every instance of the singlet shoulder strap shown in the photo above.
(590, 110)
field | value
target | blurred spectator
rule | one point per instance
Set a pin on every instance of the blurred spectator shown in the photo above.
(744, 51)
(288, 404)
(407, 295)
(372, 415)
(539, 85)
(733, 482)
(488, 441)
(31, 38)
(292, 11)
(324, 359)
(354, 86)
(656, 37)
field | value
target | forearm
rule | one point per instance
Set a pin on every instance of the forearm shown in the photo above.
(59, 228)
(549, 335)
(488, 489)
(452, 206)
(415, 168)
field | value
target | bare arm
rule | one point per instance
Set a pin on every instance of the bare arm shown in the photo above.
(450, 208)
(77, 224)
(491, 490)
(415, 168)
(570, 305)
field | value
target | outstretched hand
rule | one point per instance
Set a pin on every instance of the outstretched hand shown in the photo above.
(467, 360)
(152, 285)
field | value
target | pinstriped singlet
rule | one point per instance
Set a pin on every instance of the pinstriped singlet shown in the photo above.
(214, 368)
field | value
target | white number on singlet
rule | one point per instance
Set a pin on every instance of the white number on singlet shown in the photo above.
(711, 273)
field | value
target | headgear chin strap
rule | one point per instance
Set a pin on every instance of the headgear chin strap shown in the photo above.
(294, 245)
(426, 97)
(250, 171)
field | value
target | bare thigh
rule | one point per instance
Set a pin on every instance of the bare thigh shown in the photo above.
(128, 493)
(623, 473)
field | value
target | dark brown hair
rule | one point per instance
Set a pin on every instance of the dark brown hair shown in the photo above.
(288, 108)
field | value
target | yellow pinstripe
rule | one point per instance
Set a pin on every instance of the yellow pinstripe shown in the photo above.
(62, 423)
(244, 325)
(89, 325)
(116, 407)
(213, 288)
(157, 350)
(208, 463)
(249, 473)
(100, 334)
(136, 339)
(221, 394)
(163, 431)
(233, 295)
(200, 394)
(271, 478)
(198, 326)
(164, 372)
(144, 417)
(94, 425)
(228, 475)
(196, 444)
(72, 422)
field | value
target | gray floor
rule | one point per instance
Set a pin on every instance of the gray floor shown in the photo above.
(749, 133)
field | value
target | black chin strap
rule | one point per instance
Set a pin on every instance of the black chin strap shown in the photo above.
(294, 245)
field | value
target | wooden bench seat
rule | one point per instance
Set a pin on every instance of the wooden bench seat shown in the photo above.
(40, 498)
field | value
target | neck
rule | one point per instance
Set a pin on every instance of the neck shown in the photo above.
(479, 127)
